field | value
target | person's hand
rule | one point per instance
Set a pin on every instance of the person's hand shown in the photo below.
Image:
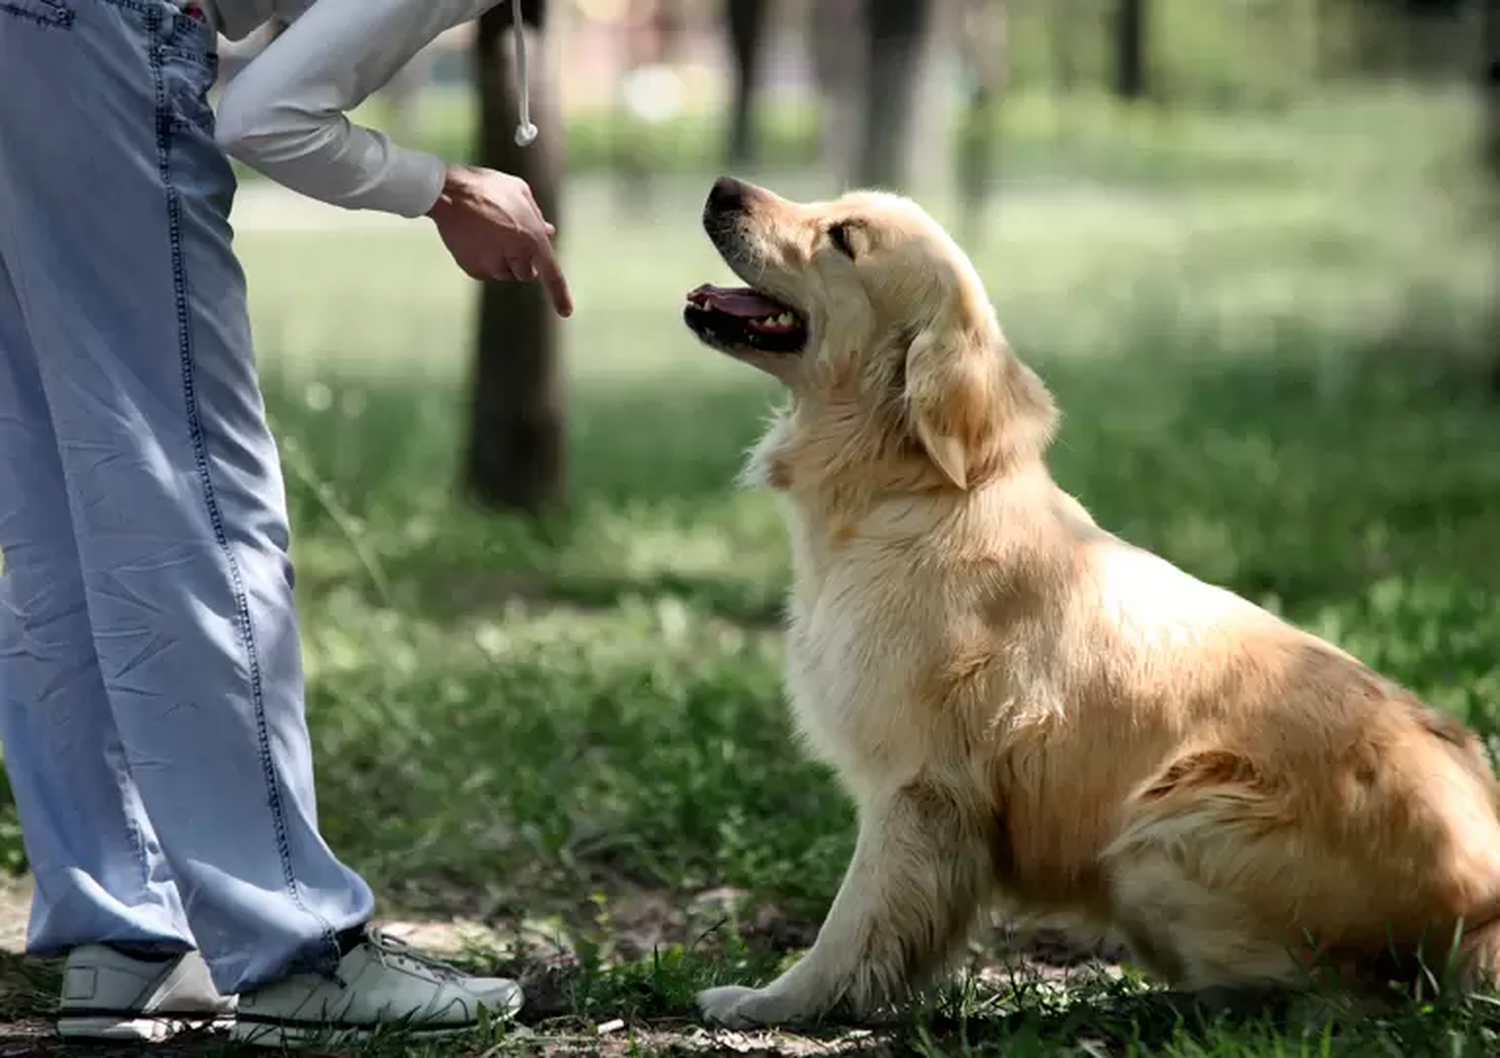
(493, 228)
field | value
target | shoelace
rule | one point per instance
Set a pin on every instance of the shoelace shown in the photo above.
(525, 131)
(393, 950)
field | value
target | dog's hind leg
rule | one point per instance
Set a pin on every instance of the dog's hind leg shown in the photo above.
(1191, 850)
(1192, 935)
(1479, 957)
(921, 867)
(1221, 877)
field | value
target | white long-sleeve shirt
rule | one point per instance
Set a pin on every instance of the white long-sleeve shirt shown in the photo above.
(286, 113)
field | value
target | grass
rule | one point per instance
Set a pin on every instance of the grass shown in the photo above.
(576, 735)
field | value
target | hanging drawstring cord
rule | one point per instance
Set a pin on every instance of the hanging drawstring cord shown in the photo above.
(525, 131)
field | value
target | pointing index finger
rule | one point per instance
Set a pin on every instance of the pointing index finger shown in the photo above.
(550, 273)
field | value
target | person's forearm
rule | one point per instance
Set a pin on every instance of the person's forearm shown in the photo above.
(285, 114)
(352, 167)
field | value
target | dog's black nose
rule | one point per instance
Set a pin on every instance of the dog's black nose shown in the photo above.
(728, 195)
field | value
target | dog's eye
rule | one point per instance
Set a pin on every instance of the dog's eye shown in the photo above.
(838, 234)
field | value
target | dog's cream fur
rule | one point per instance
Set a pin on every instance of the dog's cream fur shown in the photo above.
(1026, 707)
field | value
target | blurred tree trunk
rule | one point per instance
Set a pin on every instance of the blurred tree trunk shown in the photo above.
(1063, 18)
(839, 70)
(897, 32)
(984, 42)
(1130, 49)
(937, 104)
(747, 31)
(1489, 85)
(515, 458)
(1489, 74)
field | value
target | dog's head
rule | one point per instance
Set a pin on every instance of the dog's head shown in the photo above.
(879, 326)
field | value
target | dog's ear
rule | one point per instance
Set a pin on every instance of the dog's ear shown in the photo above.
(951, 383)
(972, 405)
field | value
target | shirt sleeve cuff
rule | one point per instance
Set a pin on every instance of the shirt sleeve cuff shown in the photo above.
(412, 183)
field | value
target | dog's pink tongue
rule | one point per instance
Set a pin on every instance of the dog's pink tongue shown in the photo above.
(735, 301)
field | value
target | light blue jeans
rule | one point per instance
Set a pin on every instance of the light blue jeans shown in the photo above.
(151, 693)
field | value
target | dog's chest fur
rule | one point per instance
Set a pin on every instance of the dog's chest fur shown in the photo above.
(859, 644)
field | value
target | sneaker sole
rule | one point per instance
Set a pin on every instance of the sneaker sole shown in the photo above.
(136, 1030)
(295, 1035)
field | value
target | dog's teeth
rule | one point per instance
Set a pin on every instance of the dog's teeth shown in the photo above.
(783, 321)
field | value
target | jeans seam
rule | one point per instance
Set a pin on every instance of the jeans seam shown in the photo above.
(59, 17)
(246, 629)
(124, 780)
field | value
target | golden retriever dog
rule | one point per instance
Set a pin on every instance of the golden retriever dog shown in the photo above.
(1025, 707)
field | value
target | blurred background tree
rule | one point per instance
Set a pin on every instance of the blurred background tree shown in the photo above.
(1131, 44)
(516, 438)
(746, 21)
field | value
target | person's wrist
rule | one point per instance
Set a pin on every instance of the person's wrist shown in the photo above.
(458, 183)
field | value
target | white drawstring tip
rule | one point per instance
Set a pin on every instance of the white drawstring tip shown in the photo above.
(525, 131)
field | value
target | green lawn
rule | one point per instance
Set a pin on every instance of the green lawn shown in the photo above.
(1267, 371)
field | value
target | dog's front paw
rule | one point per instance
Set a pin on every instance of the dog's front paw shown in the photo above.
(733, 1006)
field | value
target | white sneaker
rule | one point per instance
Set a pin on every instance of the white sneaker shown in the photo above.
(381, 984)
(109, 995)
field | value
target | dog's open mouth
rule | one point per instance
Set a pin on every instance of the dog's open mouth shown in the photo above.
(742, 318)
